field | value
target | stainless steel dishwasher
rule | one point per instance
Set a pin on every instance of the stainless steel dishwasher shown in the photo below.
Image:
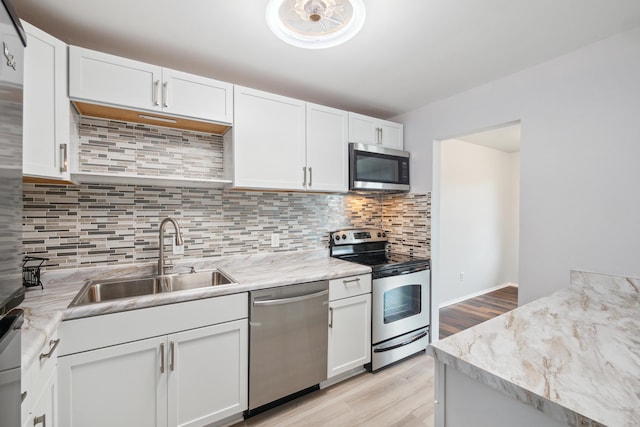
(288, 330)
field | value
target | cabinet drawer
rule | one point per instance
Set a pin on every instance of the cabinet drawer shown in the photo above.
(110, 329)
(349, 286)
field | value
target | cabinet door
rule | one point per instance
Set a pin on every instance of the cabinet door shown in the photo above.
(44, 411)
(46, 106)
(208, 373)
(327, 148)
(362, 129)
(349, 334)
(196, 97)
(392, 134)
(123, 385)
(369, 130)
(268, 141)
(107, 79)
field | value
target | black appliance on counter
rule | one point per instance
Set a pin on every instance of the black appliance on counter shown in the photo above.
(400, 293)
(12, 40)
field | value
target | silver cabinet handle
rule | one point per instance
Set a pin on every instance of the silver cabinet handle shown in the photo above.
(173, 356)
(41, 419)
(310, 176)
(63, 158)
(23, 396)
(156, 92)
(290, 300)
(165, 94)
(162, 358)
(356, 280)
(52, 347)
(331, 317)
(304, 173)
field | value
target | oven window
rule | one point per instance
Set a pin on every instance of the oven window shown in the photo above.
(402, 302)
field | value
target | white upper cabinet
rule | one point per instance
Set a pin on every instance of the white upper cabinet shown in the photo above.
(97, 77)
(327, 146)
(187, 95)
(281, 143)
(268, 141)
(369, 130)
(46, 107)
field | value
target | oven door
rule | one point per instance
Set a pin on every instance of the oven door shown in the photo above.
(400, 304)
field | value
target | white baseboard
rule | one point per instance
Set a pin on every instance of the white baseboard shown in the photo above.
(476, 294)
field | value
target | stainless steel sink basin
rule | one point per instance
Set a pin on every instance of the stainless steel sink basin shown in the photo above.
(111, 289)
(201, 279)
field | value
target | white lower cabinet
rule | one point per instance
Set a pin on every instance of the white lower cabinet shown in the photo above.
(349, 324)
(115, 386)
(192, 377)
(44, 411)
(40, 388)
(208, 374)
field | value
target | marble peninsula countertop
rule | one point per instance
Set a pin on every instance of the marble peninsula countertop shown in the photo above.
(574, 355)
(46, 308)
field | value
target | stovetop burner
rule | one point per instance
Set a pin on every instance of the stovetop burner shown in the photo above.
(369, 247)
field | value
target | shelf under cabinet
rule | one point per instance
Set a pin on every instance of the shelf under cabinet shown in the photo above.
(170, 181)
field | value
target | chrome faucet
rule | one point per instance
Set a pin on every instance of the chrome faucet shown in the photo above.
(179, 242)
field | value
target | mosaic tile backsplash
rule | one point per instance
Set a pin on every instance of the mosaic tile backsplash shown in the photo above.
(98, 224)
(133, 148)
(109, 224)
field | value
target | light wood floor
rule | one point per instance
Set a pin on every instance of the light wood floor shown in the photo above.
(400, 395)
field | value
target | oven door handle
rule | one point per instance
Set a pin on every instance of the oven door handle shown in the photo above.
(402, 344)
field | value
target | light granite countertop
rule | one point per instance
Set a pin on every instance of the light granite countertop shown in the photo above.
(46, 308)
(574, 355)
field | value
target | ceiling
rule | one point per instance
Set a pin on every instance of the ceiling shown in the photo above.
(504, 138)
(409, 52)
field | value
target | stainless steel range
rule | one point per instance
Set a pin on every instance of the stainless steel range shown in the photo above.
(400, 293)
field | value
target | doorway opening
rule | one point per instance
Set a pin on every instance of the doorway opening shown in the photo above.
(476, 214)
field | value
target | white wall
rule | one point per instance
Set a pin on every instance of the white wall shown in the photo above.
(580, 154)
(478, 219)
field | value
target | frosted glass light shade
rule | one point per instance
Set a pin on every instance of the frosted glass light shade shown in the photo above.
(315, 24)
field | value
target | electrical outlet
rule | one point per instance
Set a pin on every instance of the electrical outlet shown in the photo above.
(178, 249)
(275, 240)
(462, 276)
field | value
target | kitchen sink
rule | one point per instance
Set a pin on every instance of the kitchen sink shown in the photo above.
(111, 289)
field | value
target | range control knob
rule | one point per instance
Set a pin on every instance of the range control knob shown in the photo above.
(337, 237)
(344, 237)
(379, 234)
(384, 234)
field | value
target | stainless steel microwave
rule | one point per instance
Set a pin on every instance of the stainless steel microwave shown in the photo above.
(376, 168)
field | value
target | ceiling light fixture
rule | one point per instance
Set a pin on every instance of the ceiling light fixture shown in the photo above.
(315, 24)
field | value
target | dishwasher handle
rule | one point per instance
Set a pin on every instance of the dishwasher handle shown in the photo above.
(291, 299)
